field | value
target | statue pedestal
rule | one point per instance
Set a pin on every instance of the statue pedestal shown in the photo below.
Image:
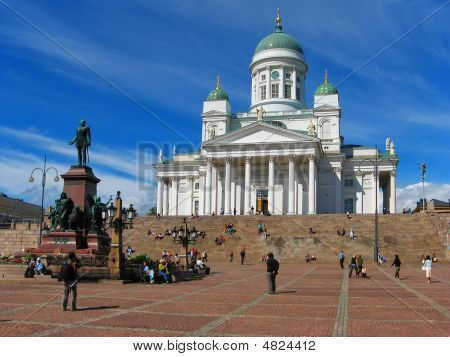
(60, 243)
(79, 182)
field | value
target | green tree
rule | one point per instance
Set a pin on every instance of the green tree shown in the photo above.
(152, 211)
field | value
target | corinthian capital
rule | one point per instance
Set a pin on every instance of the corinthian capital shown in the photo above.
(311, 157)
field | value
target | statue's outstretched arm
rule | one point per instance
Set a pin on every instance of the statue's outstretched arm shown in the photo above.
(74, 139)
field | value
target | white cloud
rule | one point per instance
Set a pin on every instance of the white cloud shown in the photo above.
(410, 194)
(16, 167)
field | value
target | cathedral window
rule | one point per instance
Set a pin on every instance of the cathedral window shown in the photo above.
(348, 205)
(263, 77)
(275, 90)
(288, 76)
(196, 185)
(287, 91)
(263, 92)
(297, 93)
(348, 183)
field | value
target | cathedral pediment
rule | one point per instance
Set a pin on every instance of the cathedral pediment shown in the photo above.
(260, 133)
(213, 113)
(325, 108)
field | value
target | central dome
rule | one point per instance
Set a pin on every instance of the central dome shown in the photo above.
(278, 39)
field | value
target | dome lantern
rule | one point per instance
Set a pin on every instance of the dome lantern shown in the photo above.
(218, 93)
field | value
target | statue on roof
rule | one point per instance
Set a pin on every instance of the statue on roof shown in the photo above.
(174, 150)
(311, 129)
(392, 148)
(388, 146)
(260, 113)
(211, 132)
(160, 155)
(82, 141)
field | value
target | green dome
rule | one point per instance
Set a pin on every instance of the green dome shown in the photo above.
(326, 88)
(218, 93)
(278, 39)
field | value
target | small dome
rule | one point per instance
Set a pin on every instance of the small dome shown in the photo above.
(278, 39)
(326, 88)
(218, 93)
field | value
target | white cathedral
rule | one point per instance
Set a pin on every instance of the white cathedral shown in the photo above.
(280, 157)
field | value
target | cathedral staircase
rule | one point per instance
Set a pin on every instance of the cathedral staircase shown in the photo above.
(289, 238)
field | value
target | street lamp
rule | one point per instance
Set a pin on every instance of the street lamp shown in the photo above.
(185, 237)
(376, 164)
(131, 213)
(44, 178)
(423, 169)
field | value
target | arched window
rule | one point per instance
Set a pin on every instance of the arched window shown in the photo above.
(327, 130)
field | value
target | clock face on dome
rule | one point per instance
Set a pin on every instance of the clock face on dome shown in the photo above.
(275, 75)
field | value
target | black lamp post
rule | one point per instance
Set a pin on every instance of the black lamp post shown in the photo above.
(423, 169)
(376, 164)
(185, 237)
(44, 178)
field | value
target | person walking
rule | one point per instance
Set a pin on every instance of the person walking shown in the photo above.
(397, 264)
(341, 256)
(427, 267)
(352, 266)
(272, 271)
(231, 256)
(242, 256)
(265, 232)
(359, 264)
(69, 275)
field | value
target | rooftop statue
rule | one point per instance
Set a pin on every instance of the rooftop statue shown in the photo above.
(260, 113)
(311, 129)
(82, 141)
(388, 143)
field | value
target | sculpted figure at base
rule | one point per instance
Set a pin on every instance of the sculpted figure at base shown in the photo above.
(82, 141)
(59, 215)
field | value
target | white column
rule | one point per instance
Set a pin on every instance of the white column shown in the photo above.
(165, 207)
(227, 208)
(338, 190)
(190, 181)
(174, 198)
(392, 191)
(252, 94)
(201, 192)
(233, 190)
(159, 196)
(359, 194)
(208, 187)
(271, 195)
(269, 84)
(312, 185)
(247, 184)
(281, 90)
(291, 185)
(294, 84)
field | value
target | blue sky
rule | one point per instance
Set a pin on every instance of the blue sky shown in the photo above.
(142, 69)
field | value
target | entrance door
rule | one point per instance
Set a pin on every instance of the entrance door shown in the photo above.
(262, 203)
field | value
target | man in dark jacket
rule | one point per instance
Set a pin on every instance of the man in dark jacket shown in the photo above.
(69, 274)
(272, 271)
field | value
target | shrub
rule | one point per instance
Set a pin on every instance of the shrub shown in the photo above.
(139, 259)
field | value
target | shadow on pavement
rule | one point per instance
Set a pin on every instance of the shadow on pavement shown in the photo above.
(103, 307)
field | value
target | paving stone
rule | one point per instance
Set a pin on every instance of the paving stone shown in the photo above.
(310, 301)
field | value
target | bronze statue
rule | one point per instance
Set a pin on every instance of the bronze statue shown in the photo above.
(83, 141)
(59, 215)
